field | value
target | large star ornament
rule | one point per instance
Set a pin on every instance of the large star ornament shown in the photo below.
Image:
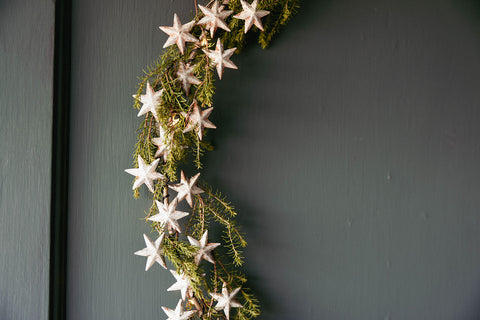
(179, 34)
(183, 285)
(204, 248)
(145, 174)
(226, 300)
(251, 15)
(186, 77)
(153, 251)
(198, 120)
(214, 17)
(220, 58)
(178, 313)
(186, 188)
(151, 100)
(168, 216)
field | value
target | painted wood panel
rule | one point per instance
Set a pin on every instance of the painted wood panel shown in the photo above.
(351, 149)
(26, 58)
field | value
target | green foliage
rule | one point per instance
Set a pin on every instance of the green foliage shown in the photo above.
(281, 13)
(210, 208)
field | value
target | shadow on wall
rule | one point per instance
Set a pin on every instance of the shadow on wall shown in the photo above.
(231, 90)
(471, 6)
(472, 10)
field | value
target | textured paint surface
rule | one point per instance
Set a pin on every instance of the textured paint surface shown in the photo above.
(351, 149)
(26, 56)
(106, 280)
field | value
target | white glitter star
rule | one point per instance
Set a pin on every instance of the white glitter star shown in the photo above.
(186, 189)
(226, 300)
(151, 100)
(220, 58)
(163, 143)
(204, 248)
(185, 75)
(153, 251)
(168, 215)
(145, 174)
(251, 15)
(183, 284)
(178, 313)
(214, 17)
(179, 34)
(198, 120)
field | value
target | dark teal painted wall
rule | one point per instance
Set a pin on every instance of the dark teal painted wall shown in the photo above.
(351, 149)
(26, 56)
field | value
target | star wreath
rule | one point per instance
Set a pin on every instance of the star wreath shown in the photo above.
(175, 108)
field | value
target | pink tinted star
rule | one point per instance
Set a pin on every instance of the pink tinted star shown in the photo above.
(221, 58)
(145, 174)
(186, 188)
(179, 34)
(153, 251)
(214, 17)
(204, 248)
(178, 313)
(226, 300)
(251, 15)
(198, 120)
(186, 77)
(151, 100)
(168, 215)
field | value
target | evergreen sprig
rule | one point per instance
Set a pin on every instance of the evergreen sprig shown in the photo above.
(211, 207)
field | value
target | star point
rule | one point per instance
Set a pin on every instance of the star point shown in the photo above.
(145, 174)
(153, 251)
(221, 58)
(251, 15)
(204, 248)
(179, 34)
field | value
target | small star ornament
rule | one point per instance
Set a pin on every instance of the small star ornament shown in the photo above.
(186, 77)
(163, 143)
(251, 15)
(204, 248)
(151, 100)
(183, 285)
(145, 174)
(226, 300)
(178, 313)
(221, 58)
(198, 120)
(179, 34)
(153, 251)
(168, 216)
(186, 188)
(214, 17)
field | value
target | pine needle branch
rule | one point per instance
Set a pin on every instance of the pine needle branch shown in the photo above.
(171, 119)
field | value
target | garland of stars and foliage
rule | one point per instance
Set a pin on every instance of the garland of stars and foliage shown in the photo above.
(175, 108)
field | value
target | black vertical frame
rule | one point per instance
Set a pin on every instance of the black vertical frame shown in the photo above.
(60, 150)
